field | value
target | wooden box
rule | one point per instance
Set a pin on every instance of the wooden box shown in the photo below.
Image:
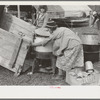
(17, 26)
(13, 51)
(15, 38)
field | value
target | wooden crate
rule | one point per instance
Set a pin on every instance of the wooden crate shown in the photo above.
(15, 37)
(13, 51)
(16, 26)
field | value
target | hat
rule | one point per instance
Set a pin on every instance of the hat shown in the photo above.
(89, 66)
(42, 32)
(51, 24)
(94, 13)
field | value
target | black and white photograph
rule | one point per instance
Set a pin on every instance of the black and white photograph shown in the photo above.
(49, 45)
(49, 49)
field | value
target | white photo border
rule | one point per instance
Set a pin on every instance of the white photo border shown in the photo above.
(50, 92)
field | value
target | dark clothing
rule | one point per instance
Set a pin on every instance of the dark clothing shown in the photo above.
(24, 8)
(1, 10)
(97, 16)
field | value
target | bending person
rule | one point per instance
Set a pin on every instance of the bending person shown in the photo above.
(67, 47)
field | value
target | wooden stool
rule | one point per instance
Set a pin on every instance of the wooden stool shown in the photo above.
(44, 56)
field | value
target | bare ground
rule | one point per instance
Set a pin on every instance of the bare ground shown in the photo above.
(40, 79)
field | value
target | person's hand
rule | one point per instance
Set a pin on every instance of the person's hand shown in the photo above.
(59, 53)
(33, 44)
(37, 44)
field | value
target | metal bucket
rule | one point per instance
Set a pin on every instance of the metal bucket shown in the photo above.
(90, 46)
(91, 56)
(47, 48)
(43, 55)
(91, 52)
(90, 38)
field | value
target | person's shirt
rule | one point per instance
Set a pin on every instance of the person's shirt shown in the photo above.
(97, 16)
(41, 19)
(63, 38)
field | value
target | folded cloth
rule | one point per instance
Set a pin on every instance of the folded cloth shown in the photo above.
(86, 79)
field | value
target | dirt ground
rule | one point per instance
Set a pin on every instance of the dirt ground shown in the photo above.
(40, 79)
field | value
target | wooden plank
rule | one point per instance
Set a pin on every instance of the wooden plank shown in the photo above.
(7, 48)
(5, 63)
(5, 54)
(15, 29)
(24, 49)
(14, 26)
(21, 59)
(5, 33)
(8, 42)
(5, 40)
(16, 51)
(7, 45)
(8, 37)
(18, 22)
(20, 29)
(22, 52)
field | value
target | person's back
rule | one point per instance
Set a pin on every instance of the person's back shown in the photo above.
(68, 33)
(65, 38)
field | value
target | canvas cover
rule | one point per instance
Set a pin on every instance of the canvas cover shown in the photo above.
(62, 11)
(75, 10)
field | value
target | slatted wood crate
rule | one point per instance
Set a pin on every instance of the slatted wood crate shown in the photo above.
(16, 26)
(13, 51)
(15, 37)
